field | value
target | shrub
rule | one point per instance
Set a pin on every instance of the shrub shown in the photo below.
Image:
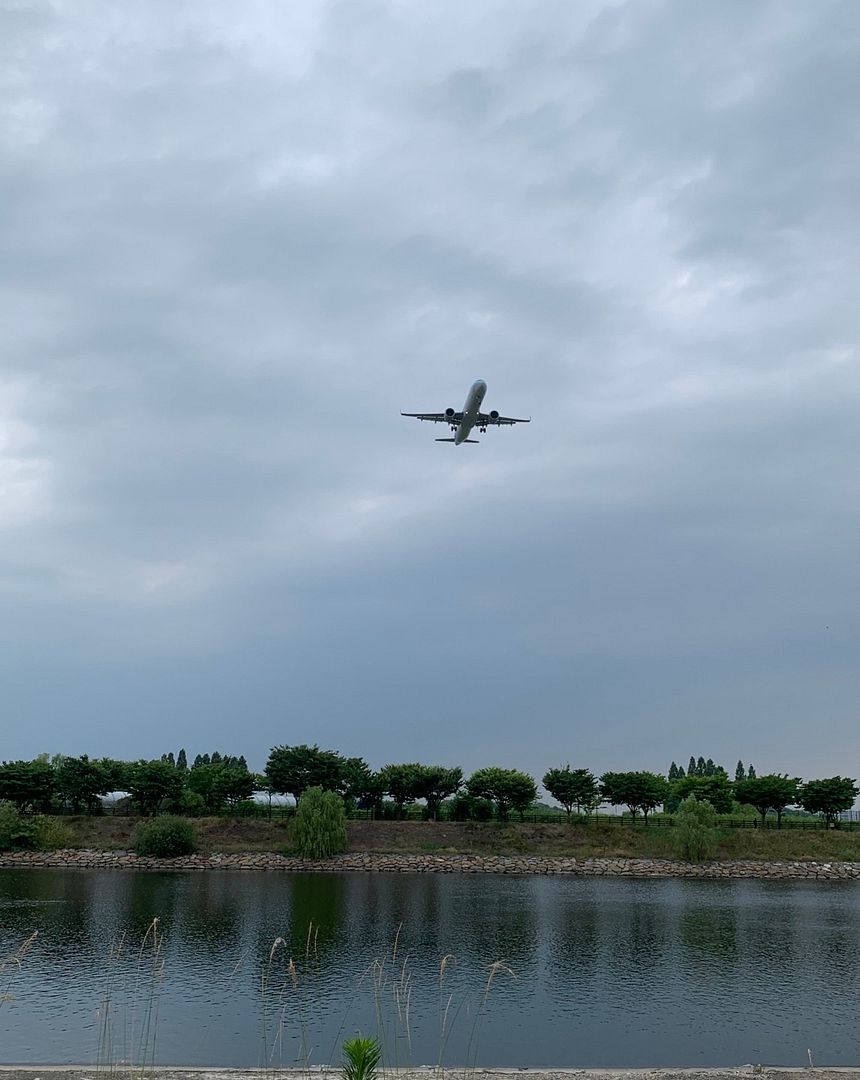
(165, 837)
(362, 1059)
(465, 807)
(695, 834)
(192, 804)
(50, 834)
(320, 824)
(14, 831)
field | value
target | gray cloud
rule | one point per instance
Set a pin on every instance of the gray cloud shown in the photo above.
(236, 245)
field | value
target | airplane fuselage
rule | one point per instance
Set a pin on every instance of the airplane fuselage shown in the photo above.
(474, 400)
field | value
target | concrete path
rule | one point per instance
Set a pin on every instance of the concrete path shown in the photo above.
(746, 1072)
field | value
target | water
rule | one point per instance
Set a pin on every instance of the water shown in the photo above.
(598, 972)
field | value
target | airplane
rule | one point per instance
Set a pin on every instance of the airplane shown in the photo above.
(462, 422)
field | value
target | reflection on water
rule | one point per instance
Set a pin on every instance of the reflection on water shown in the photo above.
(279, 968)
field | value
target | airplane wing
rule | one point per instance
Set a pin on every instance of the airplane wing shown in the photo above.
(487, 420)
(436, 417)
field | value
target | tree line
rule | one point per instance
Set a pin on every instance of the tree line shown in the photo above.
(215, 782)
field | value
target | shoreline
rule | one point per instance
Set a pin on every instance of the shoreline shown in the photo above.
(373, 862)
(201, 1072)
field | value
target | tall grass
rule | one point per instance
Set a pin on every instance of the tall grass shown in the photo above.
(292, 987)
(291, 992)
(10, 967)
(128, 1015)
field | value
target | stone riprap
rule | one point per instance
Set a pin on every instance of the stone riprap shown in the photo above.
(439, 864)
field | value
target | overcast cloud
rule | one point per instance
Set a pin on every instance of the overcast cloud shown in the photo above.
(238, 239)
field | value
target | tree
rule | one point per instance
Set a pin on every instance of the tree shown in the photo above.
(437, 782)
(673, 773)
(691, 768)
(319, 828)
(829, 797)
(219, 784)
(714, 789)
(694, 835)
(772, 792)
(636, 790)
(152, 784)
(574, 788)
(356, 779)
(403, 783)
(79, 782)
(751, 773)
(700, 767)
(116, 774)
(739, 771)
(27, 784)
(182, 761)
(293, 769)
(509, 789)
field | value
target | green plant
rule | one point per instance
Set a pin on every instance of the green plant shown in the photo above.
(14, 832)
(165, 837)
(50, 834)
(695, 834)
(362, 1059)
(320, 824)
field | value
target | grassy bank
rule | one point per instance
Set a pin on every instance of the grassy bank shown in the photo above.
(231, 835)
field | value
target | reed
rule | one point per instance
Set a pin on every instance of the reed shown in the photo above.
(291, 996)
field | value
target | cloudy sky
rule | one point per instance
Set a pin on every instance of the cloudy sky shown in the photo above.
(237, 240)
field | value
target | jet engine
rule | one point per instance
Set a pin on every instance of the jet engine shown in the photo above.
(494, 414)
(449, 412)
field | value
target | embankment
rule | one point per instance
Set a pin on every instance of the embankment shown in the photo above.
(440, 864)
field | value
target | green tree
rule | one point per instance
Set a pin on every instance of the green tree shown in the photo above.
(182, 760)
(152, 784)
(694, 834)
(673, 773)
(438, 782)
(740, 773)
(234, 784)
(79, 782)
(294, 769)
(116, 773)
(691, 767)
(28, 785)
(829, 797)
(508, 789)
(716, 789)
(772, 792)
(751, 773)
(573, 788)
(319, 827)
(356, 779)
(638, 791)
(220, 784)
(403, 783)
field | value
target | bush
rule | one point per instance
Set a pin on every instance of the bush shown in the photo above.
(165, 837)
(50, 834)
(465, 807)
(320, 824)
(695, 834)
(15, 833)
(362, 1059)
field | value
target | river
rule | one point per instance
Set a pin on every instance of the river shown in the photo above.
(247, 969)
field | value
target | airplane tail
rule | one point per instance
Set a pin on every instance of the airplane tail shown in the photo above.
(454, 440)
